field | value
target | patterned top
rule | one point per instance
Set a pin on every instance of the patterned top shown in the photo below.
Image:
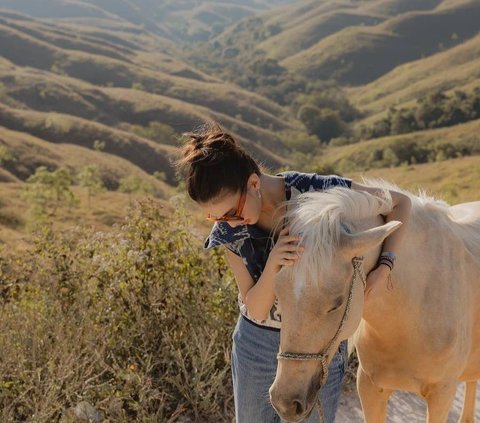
(253, 244)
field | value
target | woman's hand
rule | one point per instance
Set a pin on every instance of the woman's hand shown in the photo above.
(285, 251)
(376, 278)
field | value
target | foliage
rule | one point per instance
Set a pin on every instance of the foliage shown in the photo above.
(436, 110)
(89, 178)
(47, 190)
(99, 145)
(135, 184)
(324, 123)
(326, 95)
(299, 141)
(135, 322)
(58, 123)
(156, 131)
(5, 155)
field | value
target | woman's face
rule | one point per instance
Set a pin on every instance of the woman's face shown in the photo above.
(228, 204)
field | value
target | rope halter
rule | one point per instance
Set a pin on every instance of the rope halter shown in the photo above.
(322, 356)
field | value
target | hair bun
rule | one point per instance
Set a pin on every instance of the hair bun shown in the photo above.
(194, 139)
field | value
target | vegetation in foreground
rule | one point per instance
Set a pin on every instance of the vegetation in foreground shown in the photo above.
(134, 323)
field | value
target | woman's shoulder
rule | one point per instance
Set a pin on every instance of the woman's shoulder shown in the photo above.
(313, 181)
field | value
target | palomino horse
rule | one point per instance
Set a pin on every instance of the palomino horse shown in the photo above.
(418, 333)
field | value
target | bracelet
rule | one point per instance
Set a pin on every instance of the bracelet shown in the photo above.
(386, 264)
(388, 255)
(388, 259)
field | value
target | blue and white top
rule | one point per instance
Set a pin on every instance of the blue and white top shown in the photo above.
(253, 244)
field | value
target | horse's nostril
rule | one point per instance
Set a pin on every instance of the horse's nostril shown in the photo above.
(299, 407)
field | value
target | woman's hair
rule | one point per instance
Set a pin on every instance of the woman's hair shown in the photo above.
(213, 162)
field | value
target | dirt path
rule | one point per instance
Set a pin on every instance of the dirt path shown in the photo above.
(403, 408)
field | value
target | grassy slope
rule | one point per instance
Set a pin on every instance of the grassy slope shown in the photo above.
(182, 98)
(358, 55)
(358, 154)
(310, 31)
(104, 210)
(42, 91)
(25, 50)
(178, 92)
(455, 68)
(455, 181)
(29, 152)
(303, 24)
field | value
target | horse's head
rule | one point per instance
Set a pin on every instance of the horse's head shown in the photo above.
(321, 297)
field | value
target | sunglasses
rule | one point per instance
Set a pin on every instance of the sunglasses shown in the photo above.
(237, 214)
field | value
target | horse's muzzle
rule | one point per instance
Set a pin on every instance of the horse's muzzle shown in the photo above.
(293, 407)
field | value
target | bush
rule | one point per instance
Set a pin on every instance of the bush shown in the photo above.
(135, 322)
(324, 123)
(46, 191)
(436, 110)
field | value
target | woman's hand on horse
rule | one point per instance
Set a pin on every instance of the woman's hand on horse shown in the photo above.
(376, 278)
(285, 251)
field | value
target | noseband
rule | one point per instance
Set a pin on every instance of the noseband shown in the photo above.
(322, 356)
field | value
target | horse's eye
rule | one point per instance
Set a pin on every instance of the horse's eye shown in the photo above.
(338, 304)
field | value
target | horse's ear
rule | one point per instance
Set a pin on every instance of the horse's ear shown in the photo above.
(363, 241)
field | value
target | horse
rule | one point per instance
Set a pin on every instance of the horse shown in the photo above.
(420, 332)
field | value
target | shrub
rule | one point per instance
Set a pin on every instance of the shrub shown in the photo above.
(46, 191)
(135, 322)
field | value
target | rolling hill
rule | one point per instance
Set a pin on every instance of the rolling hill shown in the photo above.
(453, 69)
(357, 55)
(356, 42)
(84, 83)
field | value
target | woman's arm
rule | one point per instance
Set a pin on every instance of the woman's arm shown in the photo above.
(401, 211)
(259, 297)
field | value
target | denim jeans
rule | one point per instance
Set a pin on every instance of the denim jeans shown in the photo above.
(254, 364)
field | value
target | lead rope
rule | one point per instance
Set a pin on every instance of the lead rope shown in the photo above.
(322, 357)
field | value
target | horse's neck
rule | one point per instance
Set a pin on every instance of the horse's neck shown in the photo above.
(423, 282)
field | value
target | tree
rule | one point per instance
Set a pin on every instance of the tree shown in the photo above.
(430, 110)
(5, 155)
(47, 190)
(89, 178)
(403, 121)
(99, 145)
(324, 123)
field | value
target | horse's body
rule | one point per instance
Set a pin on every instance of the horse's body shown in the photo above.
(420, 335)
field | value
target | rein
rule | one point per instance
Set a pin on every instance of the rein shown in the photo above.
(322, 356)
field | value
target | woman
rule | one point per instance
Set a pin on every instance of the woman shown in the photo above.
(247, 206)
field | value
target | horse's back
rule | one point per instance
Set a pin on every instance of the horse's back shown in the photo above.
(466, 212)
(467, 221)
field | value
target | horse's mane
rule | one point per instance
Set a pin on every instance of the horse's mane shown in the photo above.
(426, 209)
(320, 216)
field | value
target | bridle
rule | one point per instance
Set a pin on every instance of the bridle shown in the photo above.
(322, 356)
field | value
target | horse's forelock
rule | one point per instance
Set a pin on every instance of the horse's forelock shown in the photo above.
(319, 218)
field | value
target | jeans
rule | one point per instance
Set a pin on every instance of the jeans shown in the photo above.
(254, 364)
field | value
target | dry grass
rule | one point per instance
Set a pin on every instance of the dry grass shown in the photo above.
(456, 68)
(455, 181)
(120, 320)
(358, 156)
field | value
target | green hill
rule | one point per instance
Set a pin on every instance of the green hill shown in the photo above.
(29, 152)
(357, 55)
(101, 89)
(185, 20)
(405, 149)
(302, 24)
(453, 69)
